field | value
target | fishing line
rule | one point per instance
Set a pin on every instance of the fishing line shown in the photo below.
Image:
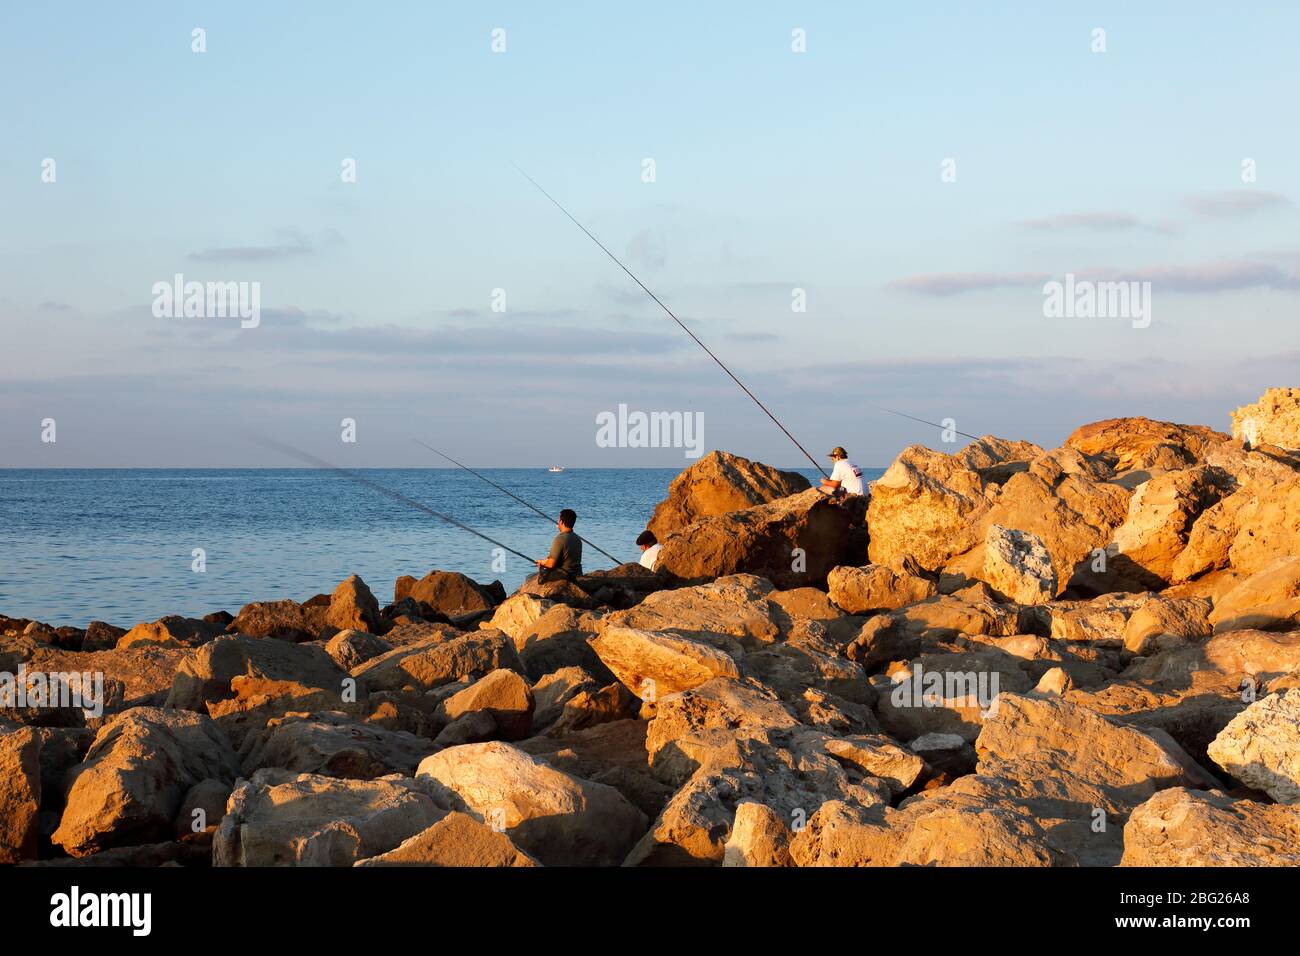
(507, 491)
(395, 495)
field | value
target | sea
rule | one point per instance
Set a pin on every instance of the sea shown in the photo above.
(131, 545)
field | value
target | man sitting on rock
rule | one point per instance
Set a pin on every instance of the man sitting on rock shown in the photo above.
(845, 478)
(650, 548)
(564, 563)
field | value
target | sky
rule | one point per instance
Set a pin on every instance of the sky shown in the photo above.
(915, 173)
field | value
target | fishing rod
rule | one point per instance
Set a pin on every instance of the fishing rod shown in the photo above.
(924, 422)
(395, 495)
(672, 316)
(507, 491)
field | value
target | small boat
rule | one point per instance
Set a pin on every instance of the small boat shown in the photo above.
(555, 469)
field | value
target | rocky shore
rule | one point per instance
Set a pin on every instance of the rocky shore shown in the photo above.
(1011, 655)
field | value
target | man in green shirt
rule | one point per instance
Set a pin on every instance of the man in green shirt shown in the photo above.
(565, 560)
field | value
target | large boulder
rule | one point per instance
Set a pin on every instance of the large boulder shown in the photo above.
(793, 541)
(333, 744)
(1261, 746)
(20, 793)
(209, 673)
(1181, 827)
(1161, 514)
(740, 605)
(1273, 420)
(135, 775)
(653, 663)
(1267, 600)
(456, 840)
(1140, 443)
(559, 819)
(170, 631)
(285, 620)
(719, 483)
(279, 818)
(1246, 531)
(436, 661)
(934, 509)
(504, 695)
(447, 592)
(1018, 566)
(353, 607)
(874, 588)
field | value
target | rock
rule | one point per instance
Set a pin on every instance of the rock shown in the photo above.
(202, 807)
(1273, 420)
(351, 648)
(135, 775)
(879, 756)
(353, 607)
(1135, 442)
(456, 840)
(436, 661)
(591, 706)
(170, 631)
(690, 726)
(278, 818)
(558, 592)
(933, 509)
(1161, 514)
(1267, 600)
(471, 728)
(719, 483)
(652, 664)
(1018, 566)
(332, 744)
(922, 506)
(874, 588)
(759, 837)
(517, 615)
(503, 694)
(806, 604)
(736, 604)
(947, 754)
(1181, 827)
(787, 770)
(284, 620)
(1247, 530)
(1054, 682)
(447, 592)
(20, 794)
(558, 639)
(554, 690)
(558, 819)
(209, 673)
(948, 694)
(1163, 623)
(1261, 746)
(101, 636)
(792, 542)
(810, 663)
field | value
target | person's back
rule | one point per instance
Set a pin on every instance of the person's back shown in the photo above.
(566, 549)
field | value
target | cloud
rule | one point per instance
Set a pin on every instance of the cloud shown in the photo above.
(1096, 222)
(954, 283)
(647, 249)
(293, 244)
(1208, 277)
(1236, 202)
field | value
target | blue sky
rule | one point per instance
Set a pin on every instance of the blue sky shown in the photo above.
(775, 170)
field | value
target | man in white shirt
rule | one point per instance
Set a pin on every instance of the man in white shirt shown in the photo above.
(650, 547)
(845, 475)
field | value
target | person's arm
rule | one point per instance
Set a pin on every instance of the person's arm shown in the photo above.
(833, 482)
(552, 559)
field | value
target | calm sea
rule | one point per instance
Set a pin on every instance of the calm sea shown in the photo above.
(78, 545)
